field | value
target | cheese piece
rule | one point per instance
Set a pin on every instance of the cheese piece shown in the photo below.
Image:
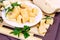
(52, 15)
(42, 31)
(19, 19)
(48, 6)
(16, 12)
(34, 30)
(54, 3)
(31, 20)
(43, 27)
(25, 16)
(50, 21)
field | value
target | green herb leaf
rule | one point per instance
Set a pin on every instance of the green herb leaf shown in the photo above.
(47, 17)
(26, 28)
(16, 31)
(26, 35)
(11, 9)
(24, 31)
(8, 10)
(15, 4)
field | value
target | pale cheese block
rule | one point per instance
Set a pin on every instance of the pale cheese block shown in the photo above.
(50, 21)
(34, 30)
(48, 6)
(19, 19)
(43, 27)
(52, 15)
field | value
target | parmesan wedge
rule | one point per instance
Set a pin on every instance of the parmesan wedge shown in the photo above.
(48, 6)
(50, 21)
(34, 30)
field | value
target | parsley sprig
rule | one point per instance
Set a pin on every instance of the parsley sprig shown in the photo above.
(12, 5)
(24, 31)
(47, 17)
(15, 4)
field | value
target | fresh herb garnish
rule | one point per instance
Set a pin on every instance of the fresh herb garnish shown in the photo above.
(26, 28)
(12, 5)
(47, 17)
(8, 10)
(15, 4)
(26, 34)
(24, 31)
(16, 31)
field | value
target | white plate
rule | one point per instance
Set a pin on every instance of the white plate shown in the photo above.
(14, 24)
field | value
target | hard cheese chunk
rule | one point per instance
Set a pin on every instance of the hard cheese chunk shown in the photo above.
(16, 12)
(24, 6)
(32, 12)
(31, 20)
(54, 3)
(42, 31)
(46, 5)
(35, 11)
(34, 30)
(50, 21)
(43, 27)
(25, 16)
(9, 15)
(19, 19)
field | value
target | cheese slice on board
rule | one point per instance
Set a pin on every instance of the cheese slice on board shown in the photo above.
(48, 6)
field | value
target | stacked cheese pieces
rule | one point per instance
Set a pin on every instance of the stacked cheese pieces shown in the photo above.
(48, 6)
(42, 27)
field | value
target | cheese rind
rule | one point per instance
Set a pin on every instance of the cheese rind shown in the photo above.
(48, 6)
